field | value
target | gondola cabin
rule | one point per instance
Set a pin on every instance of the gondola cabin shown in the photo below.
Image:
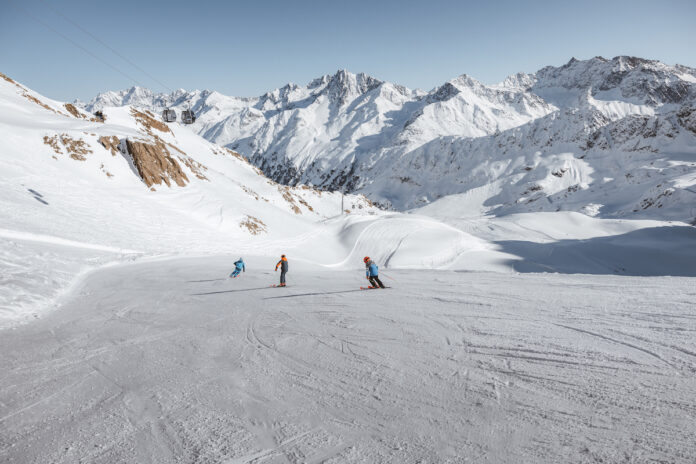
(188, 117)
(169, 115)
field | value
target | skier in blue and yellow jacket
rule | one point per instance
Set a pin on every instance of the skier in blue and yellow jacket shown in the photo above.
(372, 273)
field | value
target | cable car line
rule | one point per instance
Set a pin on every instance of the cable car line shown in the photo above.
(96, 57)
(188, 116)
(115, 52)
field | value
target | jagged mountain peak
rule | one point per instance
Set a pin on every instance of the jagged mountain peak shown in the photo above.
(443, 93)
(137, 90)
(518, 81)
(340, 86)
(642, 81)
(465, 80)
(341, 76)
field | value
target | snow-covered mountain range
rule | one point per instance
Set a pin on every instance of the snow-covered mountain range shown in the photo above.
(613, 138)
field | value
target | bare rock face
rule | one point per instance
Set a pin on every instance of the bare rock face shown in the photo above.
(74, 111)
(155, 164)
(77, 149)
(110, 143)
(687, 118)
(254, 225)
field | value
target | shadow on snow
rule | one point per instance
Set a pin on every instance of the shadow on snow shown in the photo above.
(230, 291)
(311, 294)
(656, 251)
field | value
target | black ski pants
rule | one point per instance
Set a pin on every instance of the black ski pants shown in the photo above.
(375, 282)
(282, 277)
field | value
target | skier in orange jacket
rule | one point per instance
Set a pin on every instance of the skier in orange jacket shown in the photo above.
(283, 264)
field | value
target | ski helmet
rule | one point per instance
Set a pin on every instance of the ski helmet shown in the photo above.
(366, 259)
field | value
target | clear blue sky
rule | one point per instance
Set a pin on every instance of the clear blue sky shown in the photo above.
(247, 48)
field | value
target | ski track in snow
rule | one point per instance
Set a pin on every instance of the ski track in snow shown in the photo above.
(169, 361)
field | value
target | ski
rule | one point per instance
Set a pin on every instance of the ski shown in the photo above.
(276, 285)
(373, 288)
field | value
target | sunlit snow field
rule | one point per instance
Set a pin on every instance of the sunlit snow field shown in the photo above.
(171, 361)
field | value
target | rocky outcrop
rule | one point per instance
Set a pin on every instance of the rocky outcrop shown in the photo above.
(687, 118)
(110, 143)
(155, 164)
(76, 113)
(148, 121)
(255, 226)
(77, 149)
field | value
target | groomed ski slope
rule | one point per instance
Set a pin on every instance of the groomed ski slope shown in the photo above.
(169, 361)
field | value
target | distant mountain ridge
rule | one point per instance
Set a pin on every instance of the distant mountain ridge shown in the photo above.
(590, 120)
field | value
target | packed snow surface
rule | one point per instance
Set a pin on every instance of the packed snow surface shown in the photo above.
(541, 301)
(171, 361)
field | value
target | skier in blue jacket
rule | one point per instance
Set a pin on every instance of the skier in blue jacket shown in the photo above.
(372, 273)
(238, 267)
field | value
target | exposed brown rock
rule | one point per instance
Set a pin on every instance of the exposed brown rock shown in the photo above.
(110, 143)
(195, 167)
(148, 121)
(285, 191)
(72, 110)
(108, 174)
(307, 187)
(224, 151)
(7, 79)
(38, 102)
(26, 95)
(77, 149)
(303, 202)
(155, 164)
(254, 225)
(236, 155)
(53, 143)
(251, 192)
(76, 113)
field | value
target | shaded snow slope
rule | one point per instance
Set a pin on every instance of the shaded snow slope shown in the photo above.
(612, 138)
(169, 361)
(572, 243)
